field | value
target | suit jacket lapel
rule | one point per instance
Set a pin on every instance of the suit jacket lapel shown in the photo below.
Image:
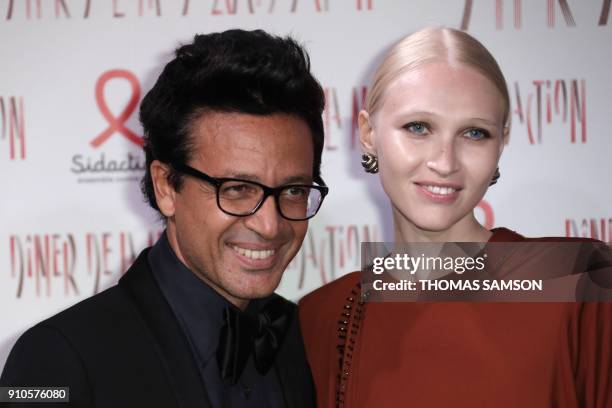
(293, 370)
(174, 351)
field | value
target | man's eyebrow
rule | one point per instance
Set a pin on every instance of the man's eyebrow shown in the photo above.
(242, 176)
(298, 179)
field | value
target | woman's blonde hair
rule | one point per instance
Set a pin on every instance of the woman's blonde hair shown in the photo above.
(434, 44)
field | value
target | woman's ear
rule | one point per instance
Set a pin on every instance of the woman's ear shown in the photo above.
(506, 130)
(506, 134)
(505, 138)
(366, 132)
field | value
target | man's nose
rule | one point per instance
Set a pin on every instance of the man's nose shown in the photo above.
(267, 221)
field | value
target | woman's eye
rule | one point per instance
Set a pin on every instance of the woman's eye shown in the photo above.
(418, 128)
(477, 134)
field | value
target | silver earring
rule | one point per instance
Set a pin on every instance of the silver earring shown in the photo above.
(495, 177)
(369, 163)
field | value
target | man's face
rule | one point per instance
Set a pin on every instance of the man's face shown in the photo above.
(240, 257)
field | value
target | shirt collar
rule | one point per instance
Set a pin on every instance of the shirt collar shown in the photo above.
(197, 306)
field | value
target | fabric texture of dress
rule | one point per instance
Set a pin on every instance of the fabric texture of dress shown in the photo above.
(456, 354)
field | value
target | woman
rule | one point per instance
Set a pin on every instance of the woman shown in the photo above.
(434, 127)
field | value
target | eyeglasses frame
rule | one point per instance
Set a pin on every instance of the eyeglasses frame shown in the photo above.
(267, 191)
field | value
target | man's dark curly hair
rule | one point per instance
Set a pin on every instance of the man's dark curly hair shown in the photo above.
(249, 72)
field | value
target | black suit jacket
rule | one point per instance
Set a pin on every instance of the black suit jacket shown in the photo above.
(124, 348)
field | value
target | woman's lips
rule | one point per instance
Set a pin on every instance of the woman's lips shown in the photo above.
(439, 193)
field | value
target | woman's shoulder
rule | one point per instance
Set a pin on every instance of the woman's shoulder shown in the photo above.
(502, 234)
(331, 293)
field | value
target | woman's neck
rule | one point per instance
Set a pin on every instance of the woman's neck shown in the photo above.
(468, 229)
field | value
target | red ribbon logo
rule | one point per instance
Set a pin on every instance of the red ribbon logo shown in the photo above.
(117, 124)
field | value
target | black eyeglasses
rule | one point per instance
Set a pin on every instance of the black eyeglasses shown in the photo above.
(241, 198)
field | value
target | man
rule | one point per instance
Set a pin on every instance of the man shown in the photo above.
(233, 143)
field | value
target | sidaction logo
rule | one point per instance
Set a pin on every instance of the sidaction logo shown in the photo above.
(82, 164)
(104, 167)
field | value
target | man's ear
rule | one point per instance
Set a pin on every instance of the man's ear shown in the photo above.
(165, 195)
(366, 133)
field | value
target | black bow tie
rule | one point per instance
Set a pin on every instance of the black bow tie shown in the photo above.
(245, 334)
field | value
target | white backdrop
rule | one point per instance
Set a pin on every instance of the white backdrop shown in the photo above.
(72, 72)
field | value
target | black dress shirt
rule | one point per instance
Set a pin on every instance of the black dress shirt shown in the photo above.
(199, 310)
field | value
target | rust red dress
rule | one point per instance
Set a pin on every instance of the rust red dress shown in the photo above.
(456, 354)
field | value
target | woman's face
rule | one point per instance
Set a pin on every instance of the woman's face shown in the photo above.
(438, 136)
